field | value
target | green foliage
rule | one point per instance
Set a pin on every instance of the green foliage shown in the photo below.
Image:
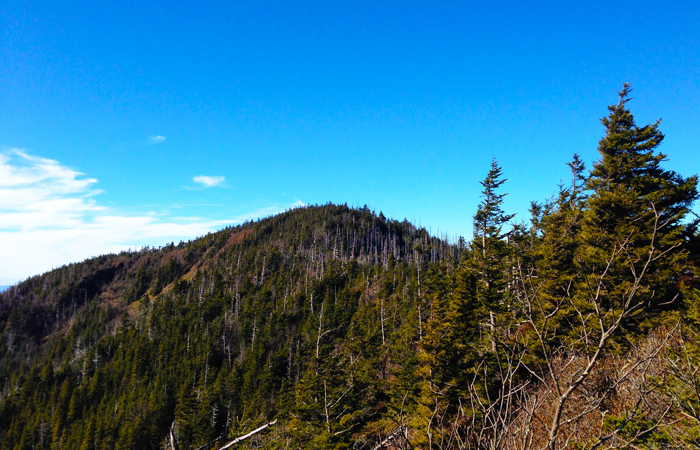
(634, 203)
(298, 316)
(350, 328)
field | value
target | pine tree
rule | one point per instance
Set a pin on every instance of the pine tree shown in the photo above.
(469, 321)
(490, 218)
(490, 263)
(558, 225)
(607, 262)
(637, 205)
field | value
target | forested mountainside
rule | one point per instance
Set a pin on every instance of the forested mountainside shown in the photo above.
(339, 328)
(316, 306)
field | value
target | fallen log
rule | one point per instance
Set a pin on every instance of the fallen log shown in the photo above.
(246, 436)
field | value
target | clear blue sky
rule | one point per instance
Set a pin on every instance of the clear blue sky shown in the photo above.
(129, 123)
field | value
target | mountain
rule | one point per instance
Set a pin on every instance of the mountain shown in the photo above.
(312, 316)
(328, 327)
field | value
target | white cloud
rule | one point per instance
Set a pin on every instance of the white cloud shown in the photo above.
(49, 217)
(38, 192)
(156, 139)
(208, 181)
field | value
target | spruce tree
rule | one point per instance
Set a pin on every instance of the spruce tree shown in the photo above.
(558, 224)
(490, 262)
(607, 260)
(468, 322)
(490, 218)
(637, 206)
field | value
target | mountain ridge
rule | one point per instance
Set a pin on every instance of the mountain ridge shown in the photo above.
(335, 328)
(285, 275)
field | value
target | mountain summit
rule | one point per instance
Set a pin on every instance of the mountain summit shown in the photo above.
(312, 316)
(335, 328)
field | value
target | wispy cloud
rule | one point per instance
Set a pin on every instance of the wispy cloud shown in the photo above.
(38, 192)
(49, 216)
(208, 181)
(156, 139)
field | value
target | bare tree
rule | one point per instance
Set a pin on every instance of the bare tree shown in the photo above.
(683, 387)
(565, 347)
(554, 383)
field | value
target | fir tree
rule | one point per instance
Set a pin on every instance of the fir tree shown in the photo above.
(607, 262)
(558, 223)
(490, 262)
(470, 319)
(637, 205)
(490, 218)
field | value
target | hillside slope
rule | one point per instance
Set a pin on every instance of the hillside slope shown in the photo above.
(311, 316)
(341, 329)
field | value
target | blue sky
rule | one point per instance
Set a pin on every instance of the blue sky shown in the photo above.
(130, 123)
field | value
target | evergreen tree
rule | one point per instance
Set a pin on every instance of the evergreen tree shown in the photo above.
(463, 324)
(355, 330)
(490, 263)
(637, 205)
(471, 316)
(490, 218)
(606, 263)
(558, 225)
